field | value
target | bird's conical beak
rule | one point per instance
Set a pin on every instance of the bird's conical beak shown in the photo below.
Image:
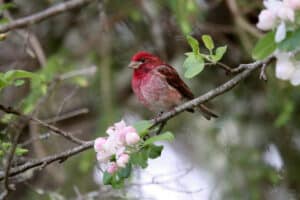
(134, 64)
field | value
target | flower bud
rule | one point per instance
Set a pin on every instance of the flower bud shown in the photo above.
(123, 160)
(132, 138)
(267, 20)
(98, 144)
(112, 167)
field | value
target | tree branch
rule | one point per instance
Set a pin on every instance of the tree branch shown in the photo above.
(43, 15)
(49, 126)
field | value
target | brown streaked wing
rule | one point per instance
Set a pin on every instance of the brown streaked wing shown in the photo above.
(175, 81)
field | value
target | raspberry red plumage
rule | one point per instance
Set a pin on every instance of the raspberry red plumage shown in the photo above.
(158, 86)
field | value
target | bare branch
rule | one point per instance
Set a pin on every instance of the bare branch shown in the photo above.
(49, 159)
(43, 15)
(10, 157)
(49, 126)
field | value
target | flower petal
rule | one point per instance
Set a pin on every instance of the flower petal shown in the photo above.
(280, 32)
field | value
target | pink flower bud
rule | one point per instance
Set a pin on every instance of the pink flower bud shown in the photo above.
(98, 144)
(123, 160)
(112, 167)
(293, 4)
(267, 20)
(132, 138)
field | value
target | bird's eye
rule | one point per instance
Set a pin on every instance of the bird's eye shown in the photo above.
(142, 60)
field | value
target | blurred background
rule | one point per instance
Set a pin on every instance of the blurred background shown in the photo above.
(252, 151)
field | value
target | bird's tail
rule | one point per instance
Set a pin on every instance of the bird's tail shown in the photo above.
(206, 112)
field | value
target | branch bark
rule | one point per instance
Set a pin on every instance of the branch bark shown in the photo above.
(43, 15)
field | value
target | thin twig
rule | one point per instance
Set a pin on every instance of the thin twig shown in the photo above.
(10, 156)
(55, 129)
(49, 159)
(43, 15)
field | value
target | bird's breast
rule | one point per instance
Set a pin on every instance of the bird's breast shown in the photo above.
(157, 94)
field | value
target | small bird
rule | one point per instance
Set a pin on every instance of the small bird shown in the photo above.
(158, 86)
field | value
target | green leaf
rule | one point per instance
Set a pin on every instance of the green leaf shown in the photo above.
(16, 74)
(154, 151)
(208, 42)
(6, 145)
(292, 41)
(194, 65)
(193, 43)
(20, 151)
(6, 6)
(286, 113)
(125, 172)
(117, 182)
(107, 178)
(140, 158)
(19, 82)
(220, 51)
(142, 127)
(264, 47)
(167, 136)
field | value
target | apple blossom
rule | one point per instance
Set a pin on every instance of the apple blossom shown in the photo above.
(98, 145)
(132, 138)
(123, 160)
(267, 20)
(103, 156)
(280, 32)
(112, 167)
(120, 136)
(294, 4)
(295, 79)
(284, 66)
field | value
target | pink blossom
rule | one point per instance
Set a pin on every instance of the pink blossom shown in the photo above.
(123, 160)
(103, 156)
(267, 20)
(294, 4)
(120, 125)
(123, 132)
(132, 138)
(98, 144)
(112, 167)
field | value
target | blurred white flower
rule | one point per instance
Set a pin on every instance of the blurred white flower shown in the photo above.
(280, 32)
(266, 20)
(295, 79)
(273, 157)
(284, 66)
(293, 4)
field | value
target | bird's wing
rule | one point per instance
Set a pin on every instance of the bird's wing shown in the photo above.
(174, 80)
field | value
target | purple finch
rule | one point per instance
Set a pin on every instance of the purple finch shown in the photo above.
(158, 86)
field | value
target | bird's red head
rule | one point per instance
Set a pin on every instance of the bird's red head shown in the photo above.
(144, 59)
